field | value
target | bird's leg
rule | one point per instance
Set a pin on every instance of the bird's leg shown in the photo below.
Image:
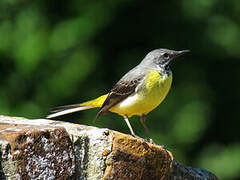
(129, 125)
(142, 119)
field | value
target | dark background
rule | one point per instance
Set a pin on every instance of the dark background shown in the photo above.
(64, 52)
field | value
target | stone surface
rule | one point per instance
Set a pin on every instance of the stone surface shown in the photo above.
(91, 146)
(47, 149)
(181, 172)
(133, 158)
(33, 151)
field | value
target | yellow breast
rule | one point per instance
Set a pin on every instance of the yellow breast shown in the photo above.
(149, 95)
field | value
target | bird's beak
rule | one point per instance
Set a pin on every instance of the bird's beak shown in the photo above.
(179, 53)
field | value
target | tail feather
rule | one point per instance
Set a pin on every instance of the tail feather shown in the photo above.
(67, 110)
(62, 110)
(65, 107)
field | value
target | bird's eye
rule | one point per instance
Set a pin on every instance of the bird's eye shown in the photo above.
(166, 56)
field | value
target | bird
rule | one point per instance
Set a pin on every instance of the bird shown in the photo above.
(138, 92)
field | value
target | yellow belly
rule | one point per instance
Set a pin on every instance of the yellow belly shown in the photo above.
(150, 95)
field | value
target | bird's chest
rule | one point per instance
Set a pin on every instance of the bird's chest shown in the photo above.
(148, 95)
(155, 88)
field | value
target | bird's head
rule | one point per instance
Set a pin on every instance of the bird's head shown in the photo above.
(161, 58)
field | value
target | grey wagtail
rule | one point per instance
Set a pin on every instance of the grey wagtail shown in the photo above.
(137, 93)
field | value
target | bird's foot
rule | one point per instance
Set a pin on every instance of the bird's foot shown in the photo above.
(134, 135)
(151, 141)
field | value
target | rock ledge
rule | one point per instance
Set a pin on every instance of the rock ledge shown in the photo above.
(47, 149)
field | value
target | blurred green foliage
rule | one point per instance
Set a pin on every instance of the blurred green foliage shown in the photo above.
(63, 52)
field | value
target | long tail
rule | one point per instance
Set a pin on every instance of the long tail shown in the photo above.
(62, 110)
